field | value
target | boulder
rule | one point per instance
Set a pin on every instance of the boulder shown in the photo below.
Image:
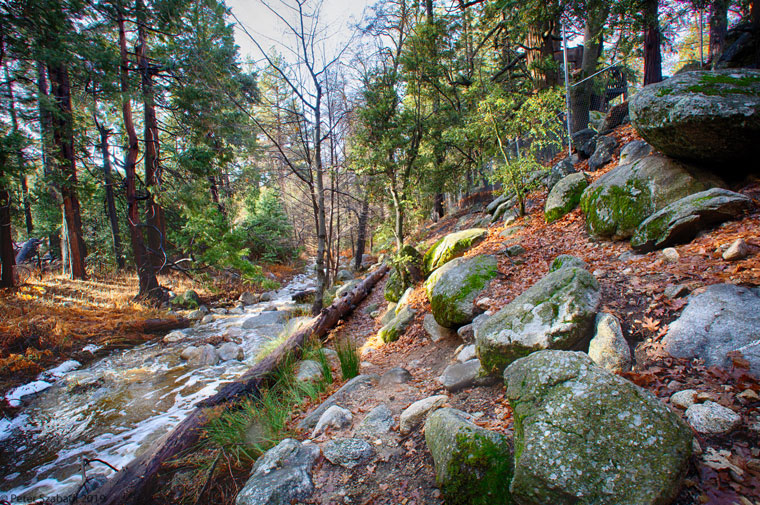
(738, 250)
(344, 275)
(358, 383)
(435, 331)
(281, 475)
(683, 219)
(586, 436)
(404, 300)
(633, 151)
(722, 319)
(712, 418)
(464, 375)
(605, 147)
(452, 288)
(557, 312)
(396, 375)
(501, 211)
(269, 322)
(710, 117)
(230, 350)
(473, 465)
(397, 326)
(187, 300)
(249, 298)
(741, 48)
(564, 196)
(617, 202)
(581, 138)
(616, 116)
(559, 171)
(394, 287)
(389, 314)
(348, 452)
(608, 348)
(377, 422)
(451, 246)
(406, 271)
(418, 411)
(335, 418)
(567, 260)
(491, 208)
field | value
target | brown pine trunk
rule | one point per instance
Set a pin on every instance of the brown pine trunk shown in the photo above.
(652, 54)
(540, 55)
(154, 217)
(145, 272)
(63, 140)
(320, 200)
(7, 258)
(20, 158)
(718, 28)
(214, 189)
(110, 200)
(361, 234)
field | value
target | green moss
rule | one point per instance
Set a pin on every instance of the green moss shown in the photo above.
(394, 287)
(449, 247)
(723, 84)
(479, 471)
(448, 301)
(618, 211)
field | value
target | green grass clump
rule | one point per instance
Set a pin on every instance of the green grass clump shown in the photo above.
(348, 354)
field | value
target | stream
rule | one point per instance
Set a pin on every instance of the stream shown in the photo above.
(116, 406)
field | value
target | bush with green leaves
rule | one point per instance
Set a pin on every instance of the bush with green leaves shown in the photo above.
(266, 228)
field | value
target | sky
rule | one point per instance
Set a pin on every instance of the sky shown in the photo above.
(338, 16)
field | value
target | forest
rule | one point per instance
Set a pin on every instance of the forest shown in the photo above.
(240, 177)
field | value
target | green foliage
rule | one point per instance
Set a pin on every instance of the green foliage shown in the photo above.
(267, 229)
(348, 355)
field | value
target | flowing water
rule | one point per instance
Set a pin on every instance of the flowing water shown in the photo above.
(116, 406)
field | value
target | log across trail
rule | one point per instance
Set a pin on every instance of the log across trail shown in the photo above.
(134, 483)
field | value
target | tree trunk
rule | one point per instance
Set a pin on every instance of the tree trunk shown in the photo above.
(592, 49)
(361, 234)
(398, 218)
(718, 28)
(438, 208)
(133, 484)
(154, 217)
(7, 258)
(145, 272)
(110, 201)
(652, 54)
(20, 158)
(321, 217)
(540, 55)
(63, 139)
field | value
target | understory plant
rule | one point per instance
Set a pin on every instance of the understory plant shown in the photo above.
(348, 355)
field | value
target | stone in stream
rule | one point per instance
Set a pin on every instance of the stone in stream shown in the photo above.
(356, 384)
(335, 418)
(348, 452)
(710, 117)
(472, 464)
(452, 288)
(683, 219)
(416, 413)
(451, 246)
(229, 351)
(265, 322)
(586, 436)
(249, 298)
(174, 336)
(206, 356)
(557, 312)
(617, 203)
(712, 418)
(722, 319)
(281, 475)
(609, 348)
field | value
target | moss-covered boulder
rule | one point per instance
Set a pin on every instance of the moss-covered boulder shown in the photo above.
(473, 465)
(617, 202)
(584, 435)
(564, 196)
(711, 117)
(394, 287)
(187, 300)
(452, 289)
(451, 246)
(681, 220)
(567, 260)
(557, 312)
(406, 271)
(397, 326)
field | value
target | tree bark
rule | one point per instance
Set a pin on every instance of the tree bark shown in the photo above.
(110, 200)
(592, 49)
(63, 139)
(134, 483)
(20, 159)
(7, 258)
(145, 272)
(320, 189)
(652, 38)
(154, 217)
(718, 28)
(361, 234)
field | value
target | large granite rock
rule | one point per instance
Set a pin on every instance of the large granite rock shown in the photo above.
(710, 117)
(586, 436)
(356, 384)
(397, 326)
(348, 452)
(281, 475)
(558, 172)
(722, 319)
(451, 246)
(406, 271)
(683, 219)
(564, 196)
(464, 375)
(557, 312)
(605, 147)
(452, 288)
(473, 465)
(270, 322)
(617, 202)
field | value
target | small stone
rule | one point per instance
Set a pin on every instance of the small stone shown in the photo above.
(378, 421)
(712, 418)
(684, 399)
(416, 413)
(435, 331)
(206, 356)
(484, 303)
(230, 350)
(749, 395)
(670, 255)
(219, 310)
(676, 291)
(466, 354)
(609, 348)
(208, 319)
(189, 352)
(462, 375)
(514, 250)
(175, 336)
(466, 332)
(248, 298)
(335, 418)
(309, 371)
(397, 375)
(348, 452)
(738, 250)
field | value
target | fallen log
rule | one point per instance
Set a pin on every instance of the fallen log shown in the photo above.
(157, 325)
(133, 484)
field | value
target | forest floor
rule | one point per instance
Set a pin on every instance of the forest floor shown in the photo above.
(50, 318)
(727, 471)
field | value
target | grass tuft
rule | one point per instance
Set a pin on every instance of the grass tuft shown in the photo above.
(348, 354)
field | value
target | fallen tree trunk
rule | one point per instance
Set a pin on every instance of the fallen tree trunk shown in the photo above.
(158, 325)
(133, 484)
